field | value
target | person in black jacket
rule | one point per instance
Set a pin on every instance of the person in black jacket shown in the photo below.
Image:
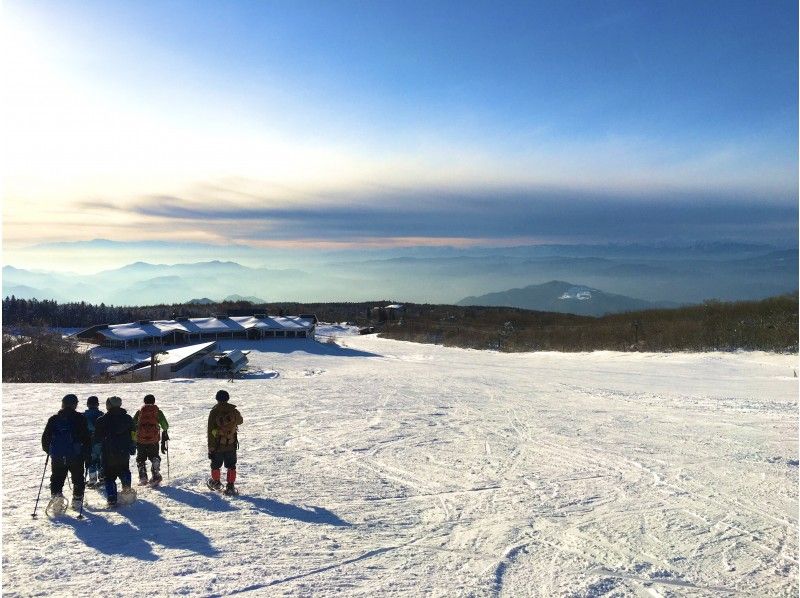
(116, 433)
(66, 439)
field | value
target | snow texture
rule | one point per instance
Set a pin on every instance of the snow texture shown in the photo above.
(375, 467)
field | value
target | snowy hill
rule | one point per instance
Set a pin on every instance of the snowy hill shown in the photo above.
(377, 467)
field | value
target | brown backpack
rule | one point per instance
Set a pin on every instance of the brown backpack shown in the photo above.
(148, 430)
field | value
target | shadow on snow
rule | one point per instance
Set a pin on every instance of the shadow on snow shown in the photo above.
(155, 527)
(209, 501)
(300, 345)
(274, 508)
(113, 539)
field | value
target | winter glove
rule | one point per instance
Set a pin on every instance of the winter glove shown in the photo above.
(164, 445)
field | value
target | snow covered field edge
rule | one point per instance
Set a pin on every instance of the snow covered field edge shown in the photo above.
(377, 467)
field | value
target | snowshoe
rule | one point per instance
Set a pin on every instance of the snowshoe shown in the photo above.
(230, 490)
(126, 496)
(143, 481)
(214, 484)
(57, 506)
(156, 481)
(77, 504)
(111, 503)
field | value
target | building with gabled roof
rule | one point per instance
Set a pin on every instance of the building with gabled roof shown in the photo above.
(183, 331)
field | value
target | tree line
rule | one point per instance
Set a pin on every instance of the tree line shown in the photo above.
(767, 325)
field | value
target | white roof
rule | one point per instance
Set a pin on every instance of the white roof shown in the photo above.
(176, 355)
(158, 328)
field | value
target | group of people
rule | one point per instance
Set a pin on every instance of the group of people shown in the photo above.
(94, 448)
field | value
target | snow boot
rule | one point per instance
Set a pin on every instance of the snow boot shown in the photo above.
(111, 502)
(142, 474)
(77, 503)
(214, 484)
(230, 490)
(156, 468)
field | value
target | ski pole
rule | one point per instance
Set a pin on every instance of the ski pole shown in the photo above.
(166, 444)
(36, 506)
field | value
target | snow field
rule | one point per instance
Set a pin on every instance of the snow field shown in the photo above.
(378, 467)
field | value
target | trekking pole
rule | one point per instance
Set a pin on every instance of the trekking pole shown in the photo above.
(40, 486)
(166, 444)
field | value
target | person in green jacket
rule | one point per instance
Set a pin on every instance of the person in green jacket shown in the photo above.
(149, 421)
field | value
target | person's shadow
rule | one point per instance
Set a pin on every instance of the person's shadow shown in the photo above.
(113, 539)
(153, 526)
(209, 501)
(274, 508)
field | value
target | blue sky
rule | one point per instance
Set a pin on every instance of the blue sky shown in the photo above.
(272, 123)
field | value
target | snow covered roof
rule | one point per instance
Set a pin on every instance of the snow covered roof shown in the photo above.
(176, 355)
(159, 328)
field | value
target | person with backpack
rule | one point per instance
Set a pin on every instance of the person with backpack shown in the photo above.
(149, 422)
(66, 439)
(223, 423)
(115, 432)
(93, 467)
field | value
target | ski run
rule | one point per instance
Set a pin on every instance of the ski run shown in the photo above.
(371, 467)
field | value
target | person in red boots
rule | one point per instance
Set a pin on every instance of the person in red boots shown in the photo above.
(149, 422)
(223, 424)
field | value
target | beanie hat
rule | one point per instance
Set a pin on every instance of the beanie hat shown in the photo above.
(113, 402)
(92, 401)
(69, 401)
(149, 399)
(223, 396)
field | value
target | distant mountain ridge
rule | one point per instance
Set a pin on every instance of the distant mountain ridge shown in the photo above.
(680, 274)
(231, 298)
(563, 297)
(143, 283)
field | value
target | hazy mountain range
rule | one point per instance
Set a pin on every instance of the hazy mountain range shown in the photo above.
(652, 273)
(564, 297)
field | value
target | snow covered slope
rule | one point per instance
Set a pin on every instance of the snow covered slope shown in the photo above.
(387, 468)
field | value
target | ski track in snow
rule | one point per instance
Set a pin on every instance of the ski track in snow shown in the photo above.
(424, 470)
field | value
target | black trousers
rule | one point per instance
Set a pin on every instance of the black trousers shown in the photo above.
(226, 457)
(145, 452)
(58, 475)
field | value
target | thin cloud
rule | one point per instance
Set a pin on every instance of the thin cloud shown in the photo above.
(478, 214)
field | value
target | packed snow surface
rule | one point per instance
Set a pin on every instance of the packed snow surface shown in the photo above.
(376, 467)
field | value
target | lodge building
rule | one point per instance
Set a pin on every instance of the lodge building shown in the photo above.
(184, 331)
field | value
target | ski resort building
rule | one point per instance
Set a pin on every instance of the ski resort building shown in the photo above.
(203, 360)
(182, 331)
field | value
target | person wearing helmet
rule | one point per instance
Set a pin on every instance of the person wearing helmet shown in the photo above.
(93, 467)
(149, 422)
(115, 432)
(66, 439)
(223, 423)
